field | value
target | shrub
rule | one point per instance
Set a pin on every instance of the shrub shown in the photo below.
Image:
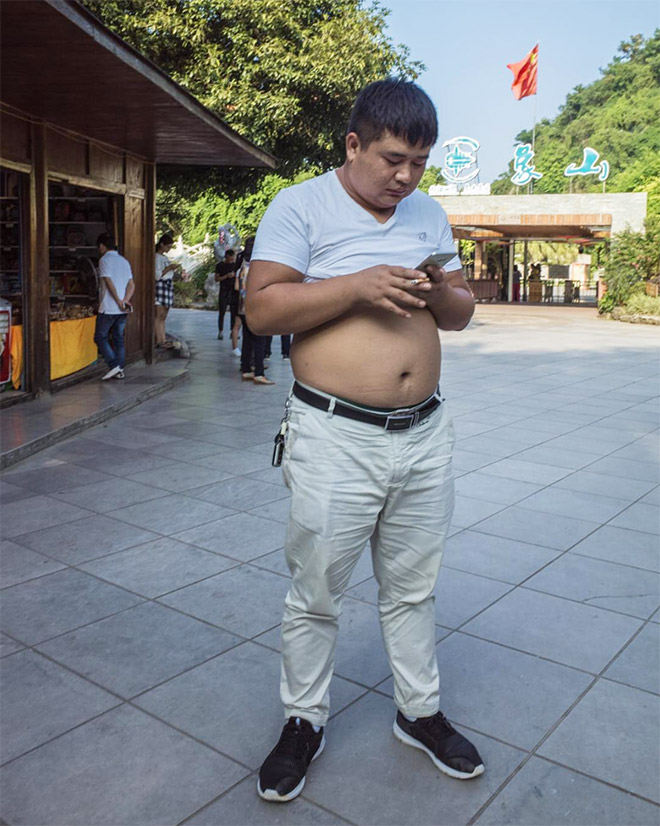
(633, 257)
(185, 293)
(641, 304)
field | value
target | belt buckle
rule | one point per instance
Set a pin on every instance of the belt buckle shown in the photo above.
(402, 421)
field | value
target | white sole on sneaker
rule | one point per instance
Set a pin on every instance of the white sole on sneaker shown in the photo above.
(272, 796)
(400, 734)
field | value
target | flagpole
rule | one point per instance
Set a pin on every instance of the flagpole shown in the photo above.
(536, 97)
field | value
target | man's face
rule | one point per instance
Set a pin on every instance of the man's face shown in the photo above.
(386, 171)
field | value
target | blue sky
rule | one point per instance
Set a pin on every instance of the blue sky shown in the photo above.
(466, 46)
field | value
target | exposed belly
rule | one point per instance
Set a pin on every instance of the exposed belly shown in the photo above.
(372, 358)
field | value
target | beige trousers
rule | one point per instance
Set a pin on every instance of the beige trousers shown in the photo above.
(352, 482)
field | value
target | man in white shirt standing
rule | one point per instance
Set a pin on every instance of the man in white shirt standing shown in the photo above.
(366, 442)
(117, 288)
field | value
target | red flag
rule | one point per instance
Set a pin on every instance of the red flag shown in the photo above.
(524, 74)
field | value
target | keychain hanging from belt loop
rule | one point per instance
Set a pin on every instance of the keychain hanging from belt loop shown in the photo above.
(280, 437)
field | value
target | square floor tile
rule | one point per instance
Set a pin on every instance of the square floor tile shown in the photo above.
(526, 471)
(372, 771)
(604, 584)
(241, 686)
(596, 738)
(41, 700)
(86, 539)
(239, 492)
(459, 596)
(495, 556)
(469, 511)
(170, 514)
(556, 456)
(639, 664)
(40, 512)
(57, 477)
(543, 793)
(621, 545)
(179, 476)
(277, 511)
(479, 485)
(186, 450)
(652, 497)
(550, 531)
(590, 506)
(13, 493)
(241, 805)
(235, 461)
(639, 517)
(244, 600)
(109, 495)
(628, 469)
(8, 646)
(602, 485)
(88, 776)
(581, 636)
(18, 564)
(158, 567)
(53, 604)
(135, 650)
(240, 536)
(507, 694)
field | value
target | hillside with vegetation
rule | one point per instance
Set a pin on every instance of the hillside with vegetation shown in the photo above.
(618, 115)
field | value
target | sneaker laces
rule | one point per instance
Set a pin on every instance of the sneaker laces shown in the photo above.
(293, 741)
(439, 726)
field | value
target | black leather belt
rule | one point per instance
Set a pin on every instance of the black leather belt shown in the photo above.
(402, 419)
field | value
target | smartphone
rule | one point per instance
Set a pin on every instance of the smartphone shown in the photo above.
(436, 259)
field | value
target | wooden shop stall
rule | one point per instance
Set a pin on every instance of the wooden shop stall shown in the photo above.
(84, 119)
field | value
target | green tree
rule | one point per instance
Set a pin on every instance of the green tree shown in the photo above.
(432, 175)
(283, 74)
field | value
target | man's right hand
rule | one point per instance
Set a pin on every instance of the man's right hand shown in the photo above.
(387, 288)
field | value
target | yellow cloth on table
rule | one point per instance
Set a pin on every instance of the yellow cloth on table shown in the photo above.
(16, 352)
(72, 347)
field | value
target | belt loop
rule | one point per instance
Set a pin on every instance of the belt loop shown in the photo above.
(331, 407)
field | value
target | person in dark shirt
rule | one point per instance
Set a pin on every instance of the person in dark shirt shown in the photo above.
(225, 275)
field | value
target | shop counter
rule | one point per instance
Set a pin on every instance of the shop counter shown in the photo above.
(72, 347)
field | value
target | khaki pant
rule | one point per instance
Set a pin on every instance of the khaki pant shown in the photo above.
(351, 482)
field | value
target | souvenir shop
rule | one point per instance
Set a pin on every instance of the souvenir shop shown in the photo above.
(77, 160)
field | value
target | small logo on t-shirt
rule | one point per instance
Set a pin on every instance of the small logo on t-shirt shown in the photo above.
(422, 236)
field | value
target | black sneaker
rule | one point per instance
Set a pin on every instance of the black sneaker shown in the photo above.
(452, 753)
(282, 776)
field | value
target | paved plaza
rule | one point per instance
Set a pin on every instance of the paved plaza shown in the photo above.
(143, 580)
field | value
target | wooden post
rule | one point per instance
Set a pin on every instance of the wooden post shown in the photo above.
(149, 291)
(512, 253)
(37, 340)
(478, 259)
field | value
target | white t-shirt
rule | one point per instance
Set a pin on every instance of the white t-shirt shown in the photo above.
(317, 228)
(115, 267)
(163, 261)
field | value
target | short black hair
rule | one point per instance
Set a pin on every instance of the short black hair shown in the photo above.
(108, 240)
(395, 106)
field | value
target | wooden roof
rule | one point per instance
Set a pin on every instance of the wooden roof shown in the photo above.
(60, 64)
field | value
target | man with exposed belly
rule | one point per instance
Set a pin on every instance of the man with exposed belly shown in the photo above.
(366, 441)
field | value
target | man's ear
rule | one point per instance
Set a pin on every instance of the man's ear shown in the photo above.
(352, 145)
